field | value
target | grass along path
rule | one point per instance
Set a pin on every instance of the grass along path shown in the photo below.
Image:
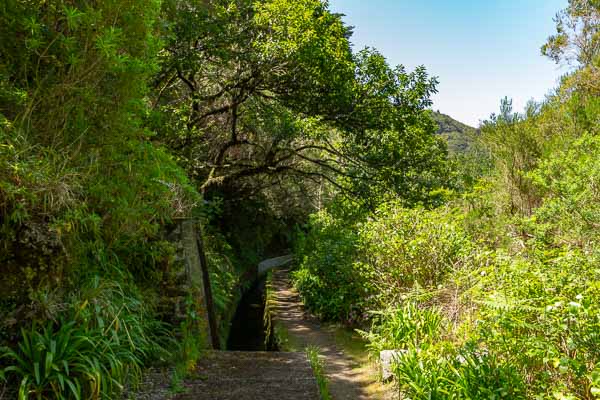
(350, 374)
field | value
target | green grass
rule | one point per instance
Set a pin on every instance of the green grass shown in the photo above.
(312, 352)
(350, 342)
(284, 341)
(355, 346)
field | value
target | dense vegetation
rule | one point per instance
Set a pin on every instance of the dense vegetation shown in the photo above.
(458, 135)
(118, 118)
(495, 293)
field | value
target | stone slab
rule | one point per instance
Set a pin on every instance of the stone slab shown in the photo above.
(235, 375)
(386, 359)
(277, 262)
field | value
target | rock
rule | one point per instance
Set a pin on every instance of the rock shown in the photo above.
(387, 358)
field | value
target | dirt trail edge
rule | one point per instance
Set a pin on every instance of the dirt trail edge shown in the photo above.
(346, 381)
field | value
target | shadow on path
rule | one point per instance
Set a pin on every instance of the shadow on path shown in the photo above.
(346, 381)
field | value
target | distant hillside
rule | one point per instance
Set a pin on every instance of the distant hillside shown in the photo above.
(458, 135)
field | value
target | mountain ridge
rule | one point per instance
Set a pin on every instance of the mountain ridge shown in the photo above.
(458, 135)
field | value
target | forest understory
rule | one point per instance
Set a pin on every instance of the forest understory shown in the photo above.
(473, 251)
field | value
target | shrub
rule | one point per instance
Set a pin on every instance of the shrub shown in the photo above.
(58, 364)
(402, 250)
(408, 327)
(327, 280)
(449, 374)
(346, 269)
(543, 316)
(97, 349)
(570, 212)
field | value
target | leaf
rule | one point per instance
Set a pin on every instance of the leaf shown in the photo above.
(73, 17)
(24, 389)
(48, 364)
(36, 369)
(75, 389)
(61, 381)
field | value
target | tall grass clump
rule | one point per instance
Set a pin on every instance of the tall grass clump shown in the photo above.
(94, 349)
(318, 368)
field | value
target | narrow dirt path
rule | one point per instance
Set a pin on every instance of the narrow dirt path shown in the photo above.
(347, 380)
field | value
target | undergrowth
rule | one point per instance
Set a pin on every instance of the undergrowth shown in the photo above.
(493, 295)
(318, 368)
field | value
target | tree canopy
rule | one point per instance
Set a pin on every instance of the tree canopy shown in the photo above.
(270, 89)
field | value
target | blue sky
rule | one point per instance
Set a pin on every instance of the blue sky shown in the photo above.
(481, 50)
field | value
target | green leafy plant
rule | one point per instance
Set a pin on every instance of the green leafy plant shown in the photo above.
(404, 328)
(326, 277)
(94, 353)
(63, 364)
(442, 373)
(318, 367)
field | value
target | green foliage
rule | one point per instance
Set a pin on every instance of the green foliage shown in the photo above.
(78, 178)
(542, 316)
(439, 374)
(266, 89)
(73, 76)
(404, 250)
(82, 194)
(495, 296)
(192, 342)
(570, 213)
(515, 145)
(489, 323)
(318, 368)
(394, 135)
(225, 278)
(345, 269)
(459, 136)
(405, 328)
(327, 279)
(93, 352)
(577, 34)
(116, 115)
(55, 364)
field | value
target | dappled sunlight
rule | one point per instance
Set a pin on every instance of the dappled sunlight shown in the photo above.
(274, 199)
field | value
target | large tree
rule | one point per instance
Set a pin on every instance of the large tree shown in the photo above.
(577, 43)
(263, 93)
